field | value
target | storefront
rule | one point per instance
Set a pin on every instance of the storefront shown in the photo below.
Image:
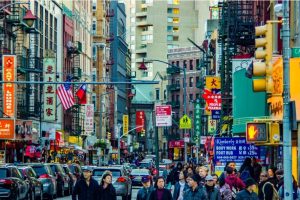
(176, 150)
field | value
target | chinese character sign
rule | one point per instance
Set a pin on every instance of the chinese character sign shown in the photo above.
(125, 125)
(140, 121)
(89, 117)
(213, 82)
(9, 89)
(7, 128)
(197, 119)
(49, 89)
(213, 99)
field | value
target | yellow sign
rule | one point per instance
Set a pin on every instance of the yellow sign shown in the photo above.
(212, 125)
(212, 82)
(75, 140)
(125, 125)
(185, 122)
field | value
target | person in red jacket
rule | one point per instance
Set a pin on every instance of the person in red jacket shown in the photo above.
(235, 183)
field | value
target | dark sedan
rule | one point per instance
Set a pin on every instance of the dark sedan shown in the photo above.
(12, 186)
(35, 185)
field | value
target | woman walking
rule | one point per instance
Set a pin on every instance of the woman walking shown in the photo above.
(107, 190)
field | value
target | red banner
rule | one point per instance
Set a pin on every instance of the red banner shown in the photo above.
(176, 144)
(140, 121)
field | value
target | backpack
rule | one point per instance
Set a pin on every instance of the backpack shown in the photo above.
(245, 175)
(275, 193)
(226, 192)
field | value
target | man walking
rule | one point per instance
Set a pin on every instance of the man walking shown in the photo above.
(196, 191)
(248, 193)
(145, 191)
(86, 187)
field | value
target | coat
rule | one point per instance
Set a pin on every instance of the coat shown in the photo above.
(177, 190)
(198, 194)
(213, 193)
(108, 193)
(166, 195)
(233, 181)
(267, 194)
(144, 194)
(246, 195)
(84, 191)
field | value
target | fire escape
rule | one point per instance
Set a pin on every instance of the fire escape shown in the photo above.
(236, 37)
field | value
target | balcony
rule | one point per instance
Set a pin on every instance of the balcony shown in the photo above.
(141, 14)
(77, 72)
(174, 87)
(141, 49)
(173, 70)
(74, 48)
(142, 23)
(22, 64)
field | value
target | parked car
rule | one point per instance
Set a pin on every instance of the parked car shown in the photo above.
(137, 175)
(12, 186)
(120, 180)
(72, 177)
(75, 169)
(63, 180)
(35, 185)
(47, 177)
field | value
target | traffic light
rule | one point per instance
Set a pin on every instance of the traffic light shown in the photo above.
(262, 69)
(257, 132)
(108, 135)
(143, 132)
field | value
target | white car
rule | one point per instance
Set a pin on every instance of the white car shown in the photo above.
(167, 161)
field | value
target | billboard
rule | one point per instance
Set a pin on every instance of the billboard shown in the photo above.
(125, 125)
(140, 120)
(7, 128)
(49, 89)
(9, 64)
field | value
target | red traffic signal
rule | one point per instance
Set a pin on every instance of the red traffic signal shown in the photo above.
(257, 132)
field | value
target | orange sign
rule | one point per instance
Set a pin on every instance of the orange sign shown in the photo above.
(7, 128)
(9, 75)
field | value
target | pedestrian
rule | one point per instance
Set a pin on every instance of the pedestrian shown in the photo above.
(235, 183)
(86, 187)
(180, 187)
(212, 192)
(266, 190)
(248, 193)
(272, 176)
(203, 171)
(107, 190)
(174, 174)
(216, 182)
(196, 191)
(246, 171)
(279, 177)
(257, 168)
(145, 192)
(190, 170)
(296, 191)
(228, 164)
(160, 193)
(225, 191)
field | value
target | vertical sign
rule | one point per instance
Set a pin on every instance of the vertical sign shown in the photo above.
(7, 128)
(89, 117)
(140, 121)
(163, 115)
(197, 120)
(9, 89)
(211, 125)
(49, 89)
(125, 125)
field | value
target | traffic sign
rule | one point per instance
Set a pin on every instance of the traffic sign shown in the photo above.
(163, 115)
(185, 122)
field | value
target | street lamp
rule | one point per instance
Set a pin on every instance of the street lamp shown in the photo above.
(143, 67)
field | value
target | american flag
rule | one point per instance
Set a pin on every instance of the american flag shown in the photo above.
(65, 95)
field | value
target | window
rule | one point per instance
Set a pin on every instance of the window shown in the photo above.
(169, 28)
(184, 64)
(191, 65)
(94, 27)
(132, 10)
(175, 38)
(132, 38)
(157, 94)
(94, 6)
(132, 20)
(175, 10)
(170, 37)
(170, 10)
(197, 96)
(191, 97)
(176, 2)
(165, 94)
(144, 74)
(170, 1)
(197, 63)
(132, 47)
(170, 19)
(175, 29)
(191, 81)
(176, 20)
(197, 79)
(148, 37)
(177, 63)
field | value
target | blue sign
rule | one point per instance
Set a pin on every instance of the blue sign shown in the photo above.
(216, 114)
(233, 149)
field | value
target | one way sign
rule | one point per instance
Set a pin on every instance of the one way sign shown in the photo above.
(185, 122)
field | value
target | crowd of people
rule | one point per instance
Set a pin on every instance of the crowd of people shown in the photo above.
(192, 182)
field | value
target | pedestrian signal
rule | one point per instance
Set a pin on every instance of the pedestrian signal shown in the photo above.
(257, 132)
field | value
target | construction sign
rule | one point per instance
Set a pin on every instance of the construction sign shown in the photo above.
(185, 122)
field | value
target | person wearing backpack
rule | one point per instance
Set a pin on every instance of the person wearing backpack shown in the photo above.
(235, 183)
(246, 171)
(266, 190)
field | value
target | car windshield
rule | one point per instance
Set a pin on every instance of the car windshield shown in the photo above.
(39, 170)
(57, 168)
(137, 172)
(144, 165)
(99, 172)
(3, 173)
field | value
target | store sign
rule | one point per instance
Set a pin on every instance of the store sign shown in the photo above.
(7, 128)
(89, 117)
(213, 99)
(9, 64)
(49, 89)
(233, 148)
(212, 82)
(197, 119)
(163, 115)
(211, 125)
(24, 130)
(140, 121)
(216, 114)
(176, 144)
(125, 125)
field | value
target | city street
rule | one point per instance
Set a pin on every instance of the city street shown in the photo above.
(134, 193)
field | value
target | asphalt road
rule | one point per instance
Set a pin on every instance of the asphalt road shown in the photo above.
(134, 193)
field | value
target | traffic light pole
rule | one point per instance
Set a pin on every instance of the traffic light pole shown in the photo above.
(287, 137)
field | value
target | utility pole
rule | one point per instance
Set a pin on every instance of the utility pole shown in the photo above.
(287, 137)
(116, 127)
(185, 111)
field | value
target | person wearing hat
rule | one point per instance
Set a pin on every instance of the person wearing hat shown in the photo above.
(145, 191)
(196, 191)
(86, 187)
(248, 193)
(212, 192)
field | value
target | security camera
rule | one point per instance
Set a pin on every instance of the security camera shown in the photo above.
(278, 10)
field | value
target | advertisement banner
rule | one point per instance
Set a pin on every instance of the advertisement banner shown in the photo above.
(9, 64)
(24, 130)
(125, 125)
(7, 128)
(140, 121)
(49, 89)
(89, 117)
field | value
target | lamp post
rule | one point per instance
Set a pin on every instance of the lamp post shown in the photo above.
(143, 67)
